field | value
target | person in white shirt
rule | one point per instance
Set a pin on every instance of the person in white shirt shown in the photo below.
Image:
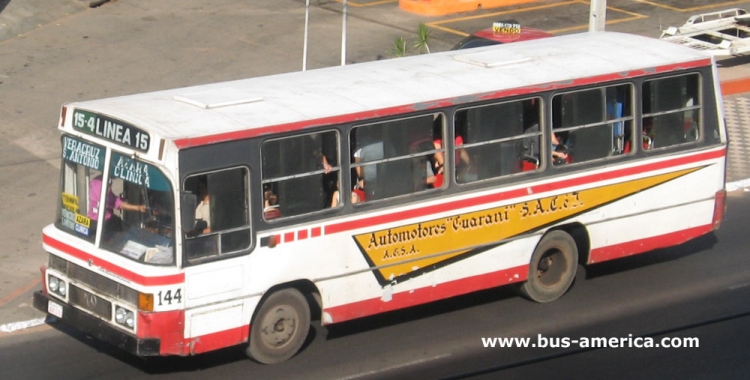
(202, 211)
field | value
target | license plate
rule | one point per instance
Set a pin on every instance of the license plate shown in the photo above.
(54, 309)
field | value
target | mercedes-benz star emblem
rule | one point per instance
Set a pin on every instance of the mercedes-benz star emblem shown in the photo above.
(90, 300)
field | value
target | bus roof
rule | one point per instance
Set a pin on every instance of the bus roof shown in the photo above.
(210, 113)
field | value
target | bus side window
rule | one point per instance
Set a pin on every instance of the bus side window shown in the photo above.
(671, 110)
(591, 124)
(222, 216)
(497, 140)
(391, 158)
(299, 174)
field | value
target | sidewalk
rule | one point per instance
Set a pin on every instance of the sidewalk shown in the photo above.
(19, 17)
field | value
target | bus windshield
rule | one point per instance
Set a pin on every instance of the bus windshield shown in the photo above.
(130, 202)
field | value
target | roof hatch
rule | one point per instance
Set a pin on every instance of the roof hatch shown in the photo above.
(492, 58)
(218, 98)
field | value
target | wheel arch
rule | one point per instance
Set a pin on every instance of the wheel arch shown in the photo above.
(304, 286)
(580, 235)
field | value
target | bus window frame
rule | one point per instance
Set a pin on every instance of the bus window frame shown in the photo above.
(635, 111)
(540, 97)
(442, 112)
(282, 220)
(186, 260)
(700, 107)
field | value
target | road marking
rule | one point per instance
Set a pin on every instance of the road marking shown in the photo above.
(20, 291)
(665, 6)
(15, 326)
(736, 185)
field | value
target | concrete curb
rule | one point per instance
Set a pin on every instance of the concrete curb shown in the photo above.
(736, 86)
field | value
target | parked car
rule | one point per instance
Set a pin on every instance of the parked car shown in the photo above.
(502, 32)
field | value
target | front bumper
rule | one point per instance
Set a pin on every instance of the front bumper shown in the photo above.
(98, 328)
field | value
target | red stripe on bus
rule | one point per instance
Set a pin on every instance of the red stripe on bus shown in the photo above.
(112, 268)
(428, 294)
(169, 328)
(437, 103)
(521, 192)
(635, 247)
(217, 340)
(301, 234)
(289, 237)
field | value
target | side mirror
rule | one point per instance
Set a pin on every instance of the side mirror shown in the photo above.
(188, 203)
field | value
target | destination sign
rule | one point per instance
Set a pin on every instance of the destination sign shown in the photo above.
(137, 172)
(83, 153)
(111, 130)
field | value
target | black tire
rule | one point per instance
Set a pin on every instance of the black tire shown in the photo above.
(280, 327)
(552, 269)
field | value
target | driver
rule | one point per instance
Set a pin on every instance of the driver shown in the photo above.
(112, 202)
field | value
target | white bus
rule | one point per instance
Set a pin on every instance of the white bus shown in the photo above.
(232, 213)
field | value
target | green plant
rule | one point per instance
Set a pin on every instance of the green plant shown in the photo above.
(399, 47)
(423, 36)
(420, 45)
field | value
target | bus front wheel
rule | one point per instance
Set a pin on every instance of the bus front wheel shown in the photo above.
(552, 268)
(280, 327)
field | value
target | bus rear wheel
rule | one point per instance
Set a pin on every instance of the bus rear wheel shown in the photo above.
(552, 268)
(280, 327)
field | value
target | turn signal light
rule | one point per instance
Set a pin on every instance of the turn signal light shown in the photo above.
(145, 302)
(63, 113)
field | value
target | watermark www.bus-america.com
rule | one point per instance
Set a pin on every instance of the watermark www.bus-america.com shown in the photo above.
(591, 342)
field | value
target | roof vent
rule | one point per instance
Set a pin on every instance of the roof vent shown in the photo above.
(218, 98)
(492, 58)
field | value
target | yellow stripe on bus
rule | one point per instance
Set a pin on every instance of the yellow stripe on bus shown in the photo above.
(401, 251)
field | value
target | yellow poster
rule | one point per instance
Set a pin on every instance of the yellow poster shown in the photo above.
(70, 202)
(406, 251)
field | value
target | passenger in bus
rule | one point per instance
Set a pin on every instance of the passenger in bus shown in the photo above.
(462, 157)
(203, 210)
(112, 223)
(367, 175)
(270, 204)
(356, 196)
(433, 173)
(647, 137)
(559, 151)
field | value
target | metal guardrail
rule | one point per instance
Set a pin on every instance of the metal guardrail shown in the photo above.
(721, 33)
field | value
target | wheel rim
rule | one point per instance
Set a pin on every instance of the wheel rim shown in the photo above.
(551, 268)
(279, 326)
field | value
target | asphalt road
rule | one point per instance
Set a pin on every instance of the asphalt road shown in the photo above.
(697, 290)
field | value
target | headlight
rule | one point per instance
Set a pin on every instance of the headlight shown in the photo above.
(53, 283)
(57, 286)
(124, 317)
(120, 315)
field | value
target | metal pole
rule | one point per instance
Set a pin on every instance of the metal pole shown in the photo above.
(307, 23)
(343, 37)
(597, 15)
